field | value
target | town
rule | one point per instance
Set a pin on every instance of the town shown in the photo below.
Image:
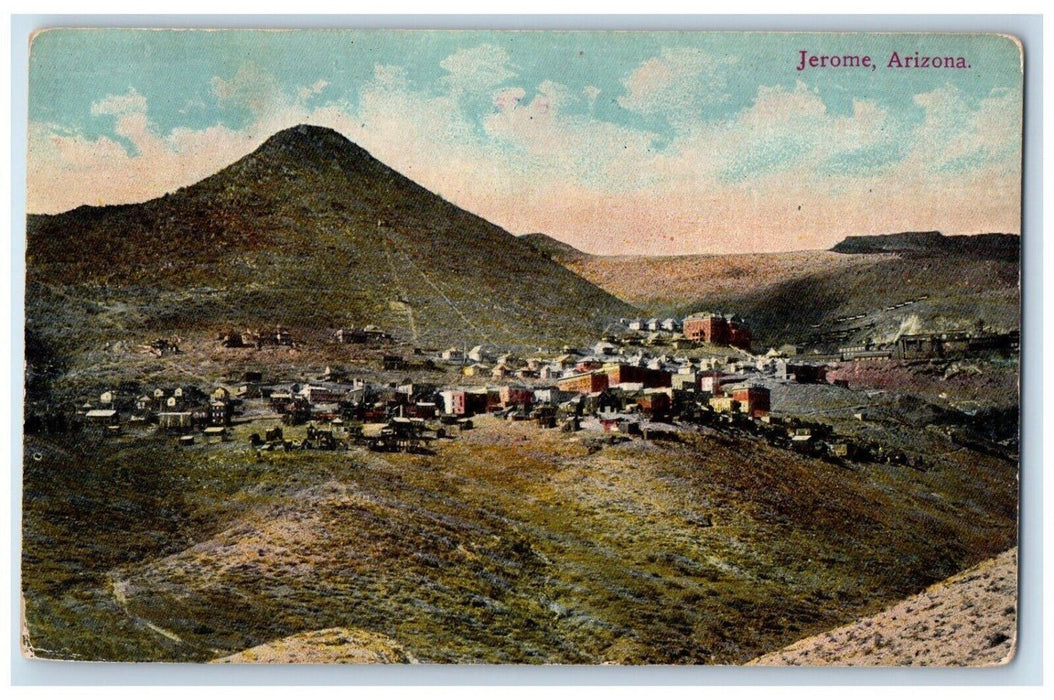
(644, 379)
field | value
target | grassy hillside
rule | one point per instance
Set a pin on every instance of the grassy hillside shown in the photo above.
(509, 544)
(309, 231)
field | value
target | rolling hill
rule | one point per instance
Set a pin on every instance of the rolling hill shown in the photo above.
(309, 231)
(509, 544)
(784, 295)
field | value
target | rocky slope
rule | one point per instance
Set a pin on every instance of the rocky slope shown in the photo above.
(969, 619)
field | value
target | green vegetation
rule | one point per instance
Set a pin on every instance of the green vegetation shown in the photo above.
(509, 544)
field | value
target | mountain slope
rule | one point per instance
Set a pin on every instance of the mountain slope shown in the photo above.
(557, 250)
(310, 231)
(969, 619)
(783, 295)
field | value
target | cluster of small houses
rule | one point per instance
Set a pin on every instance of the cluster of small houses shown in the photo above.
(625, 386)
(628, 381)
(625, 399)
(617, 379)
(178, 410)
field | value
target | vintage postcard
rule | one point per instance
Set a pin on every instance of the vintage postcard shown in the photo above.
(445, 347)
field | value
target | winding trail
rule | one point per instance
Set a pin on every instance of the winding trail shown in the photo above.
(119, 589)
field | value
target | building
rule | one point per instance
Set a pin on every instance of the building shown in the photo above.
(622, 373)
(718, 330)
(215, 434)
(549, 372)
(220, 413)
(683, 381)
(322, 394)
(478, 354)
(551, 396)
(565, 361)
(807, 373)
(453, 402)
(453, 354)
(671, 325)
(655, 405)
(515, 396)
(723, 404)
(102, 416)
(586, 383)
(753, 400)
(588, 365)
(459, 402)
(955, 344)
(178, 421)
(712, 381)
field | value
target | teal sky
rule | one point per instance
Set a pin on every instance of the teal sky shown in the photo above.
(616, 142)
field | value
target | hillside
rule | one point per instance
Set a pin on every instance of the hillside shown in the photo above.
(782, 295)
(557, 250)
(969, 619)
(332, 646)
(309, 231)
(509, 544)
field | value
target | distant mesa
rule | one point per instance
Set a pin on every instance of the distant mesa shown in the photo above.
(995, 244)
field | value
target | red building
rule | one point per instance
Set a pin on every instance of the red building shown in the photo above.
(583, 383)
(515, 396)
(459, 402)
(655, 406)
(753, 400)
(619, 373)
(718, 330)
(739, 336)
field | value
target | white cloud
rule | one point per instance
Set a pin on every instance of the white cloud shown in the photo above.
(953, 134)
(117, 105)
(545, 162)
(508, 98)
(676, 83)
(394, 77)
(592, 92)
(476, 70)
(305, 93)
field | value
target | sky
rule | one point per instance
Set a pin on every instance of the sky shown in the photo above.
(614, 142)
